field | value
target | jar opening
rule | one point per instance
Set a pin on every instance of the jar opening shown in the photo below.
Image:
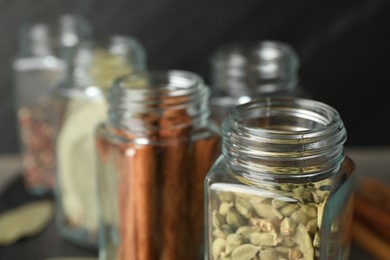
(284, 136)
(180, 98)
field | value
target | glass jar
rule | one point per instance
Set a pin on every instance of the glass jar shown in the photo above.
(80, 106)
(283, 188)
(241, 71)
(37, 68)
(153, 154)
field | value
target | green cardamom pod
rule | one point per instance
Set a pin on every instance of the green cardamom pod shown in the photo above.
(218, 220)
(320, 214)
(311, 225)
(311, 211)
(316, 240)
(245, 252)
(299, 216)
(269, 253)
(218, 247)
(226, 196)
(235, 219)
(287, 227)
(232, 241)
(266, 211)
(243, 207)
(282, 250)
(278, 203)
(295, 254)
(302, 239)
(227, 229)
(287, 242)
(246, 231)
(217, 232)
(224, 207)
(263, 239)
(287, 210)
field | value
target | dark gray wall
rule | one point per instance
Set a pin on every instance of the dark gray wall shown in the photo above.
(342, 45)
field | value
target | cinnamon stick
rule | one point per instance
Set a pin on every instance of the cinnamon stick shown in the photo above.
(376, 192)
(204, 154)
(144, 204)
(174, 173)
(369, 241)
(371, 206)
(137, 202)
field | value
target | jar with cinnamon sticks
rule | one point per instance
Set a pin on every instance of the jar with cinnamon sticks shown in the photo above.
(153, 154)
(283, 188)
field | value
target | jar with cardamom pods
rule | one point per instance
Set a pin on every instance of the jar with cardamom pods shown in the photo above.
(283, 186)
(154, 151)
(80, 107)
(243, 70)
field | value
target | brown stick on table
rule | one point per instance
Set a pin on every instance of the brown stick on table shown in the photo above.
(376, 192)
(370, 206)
(369, 241)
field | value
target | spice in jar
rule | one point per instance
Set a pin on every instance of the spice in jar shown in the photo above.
(82, 108)
(283, 188)
(154, 152)
(36, 134)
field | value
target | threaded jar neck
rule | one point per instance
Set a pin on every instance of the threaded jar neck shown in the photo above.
(147, 102)
(253, 68)
(284, 137)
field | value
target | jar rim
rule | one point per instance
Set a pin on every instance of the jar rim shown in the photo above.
(284, 135)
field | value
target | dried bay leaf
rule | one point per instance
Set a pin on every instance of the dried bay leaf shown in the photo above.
(25, 220)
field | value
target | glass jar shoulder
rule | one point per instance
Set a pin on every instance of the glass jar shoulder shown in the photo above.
(114, 135)
(304, 190)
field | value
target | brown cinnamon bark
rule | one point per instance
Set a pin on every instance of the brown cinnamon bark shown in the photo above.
(204, 154)
(372, 215)
(160, 189)
(372, 205)
(367, 239)
(174, 173)
(137, 202)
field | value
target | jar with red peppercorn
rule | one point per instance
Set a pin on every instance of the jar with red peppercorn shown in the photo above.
(37, 69)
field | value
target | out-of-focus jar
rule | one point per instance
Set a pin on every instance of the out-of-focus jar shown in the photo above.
(38, 68)
(154, 151)
(80, 106)
(283, 188)
(241, 71)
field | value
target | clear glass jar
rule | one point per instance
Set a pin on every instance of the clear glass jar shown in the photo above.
(283, 187)
(154, 151)
(80, 107)
(241, 71)
(37, 68)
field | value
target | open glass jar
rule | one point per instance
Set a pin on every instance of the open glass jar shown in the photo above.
(80, 107)
(241, 71)
(38, 68)
(283, 188)
(154, 152)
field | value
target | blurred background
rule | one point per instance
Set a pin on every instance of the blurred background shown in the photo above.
(342, 46)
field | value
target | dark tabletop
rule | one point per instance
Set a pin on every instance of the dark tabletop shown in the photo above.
(49, 244)
(44, 245)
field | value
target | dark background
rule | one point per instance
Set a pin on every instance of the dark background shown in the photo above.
(343, 46)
